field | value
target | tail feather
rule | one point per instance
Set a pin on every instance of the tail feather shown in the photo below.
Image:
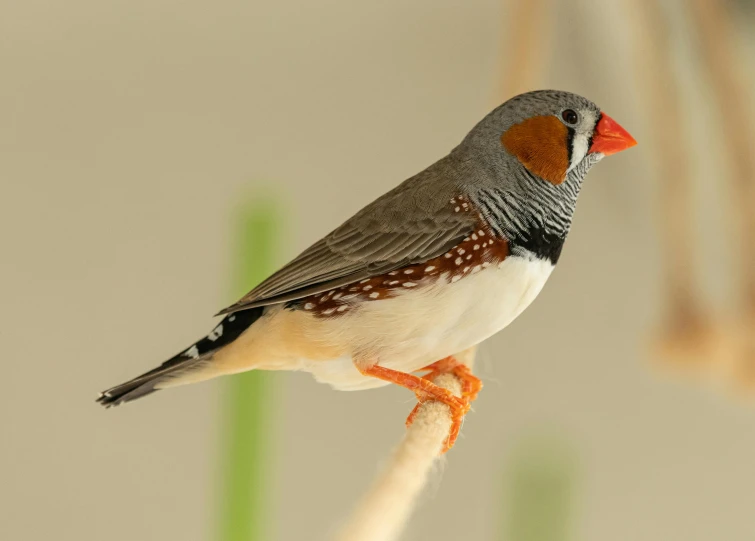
(198, 355)
(148, 382)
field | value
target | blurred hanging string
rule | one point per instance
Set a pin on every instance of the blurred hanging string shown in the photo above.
(524, 45)
(718, 48)
(687, 338)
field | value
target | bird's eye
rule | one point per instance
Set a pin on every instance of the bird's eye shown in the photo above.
(570, 116)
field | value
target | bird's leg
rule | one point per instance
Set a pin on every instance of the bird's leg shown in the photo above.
(426, 390)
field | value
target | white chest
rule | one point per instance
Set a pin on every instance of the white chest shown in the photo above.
(497, 296)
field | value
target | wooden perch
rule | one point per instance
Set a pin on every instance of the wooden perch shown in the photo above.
(385, 509)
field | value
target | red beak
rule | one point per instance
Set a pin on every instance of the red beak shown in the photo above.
(610, 137)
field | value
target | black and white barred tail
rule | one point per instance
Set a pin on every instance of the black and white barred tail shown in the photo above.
(198, 355)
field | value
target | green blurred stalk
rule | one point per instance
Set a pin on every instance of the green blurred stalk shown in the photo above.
(539, 490)
(249, 397)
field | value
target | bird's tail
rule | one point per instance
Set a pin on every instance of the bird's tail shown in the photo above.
(177, 369)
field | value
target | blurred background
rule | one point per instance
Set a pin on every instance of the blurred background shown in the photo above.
(159, 157)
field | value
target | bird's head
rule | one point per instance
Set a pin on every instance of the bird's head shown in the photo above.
(549, 133)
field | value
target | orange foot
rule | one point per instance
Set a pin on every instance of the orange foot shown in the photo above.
(425, 390)
(470, 388)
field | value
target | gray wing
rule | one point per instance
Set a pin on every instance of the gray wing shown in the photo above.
(413, 223)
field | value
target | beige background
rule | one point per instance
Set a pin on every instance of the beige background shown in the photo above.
(130, 131)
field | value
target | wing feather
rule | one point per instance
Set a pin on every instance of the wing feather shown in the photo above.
(408, 225)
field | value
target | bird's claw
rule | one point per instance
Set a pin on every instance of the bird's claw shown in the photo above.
(459, 406)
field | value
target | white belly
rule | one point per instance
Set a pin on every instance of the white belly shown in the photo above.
(426, 324)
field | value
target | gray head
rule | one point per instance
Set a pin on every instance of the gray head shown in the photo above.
(530, 156)
(548, 132)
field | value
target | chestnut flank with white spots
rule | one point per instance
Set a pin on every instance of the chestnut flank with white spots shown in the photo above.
(464, 259)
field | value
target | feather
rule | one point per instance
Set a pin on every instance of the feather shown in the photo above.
(405, 226)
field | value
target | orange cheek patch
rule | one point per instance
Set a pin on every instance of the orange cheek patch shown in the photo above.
(540, 144)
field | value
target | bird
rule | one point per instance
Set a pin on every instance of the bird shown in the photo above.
(422, 274)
